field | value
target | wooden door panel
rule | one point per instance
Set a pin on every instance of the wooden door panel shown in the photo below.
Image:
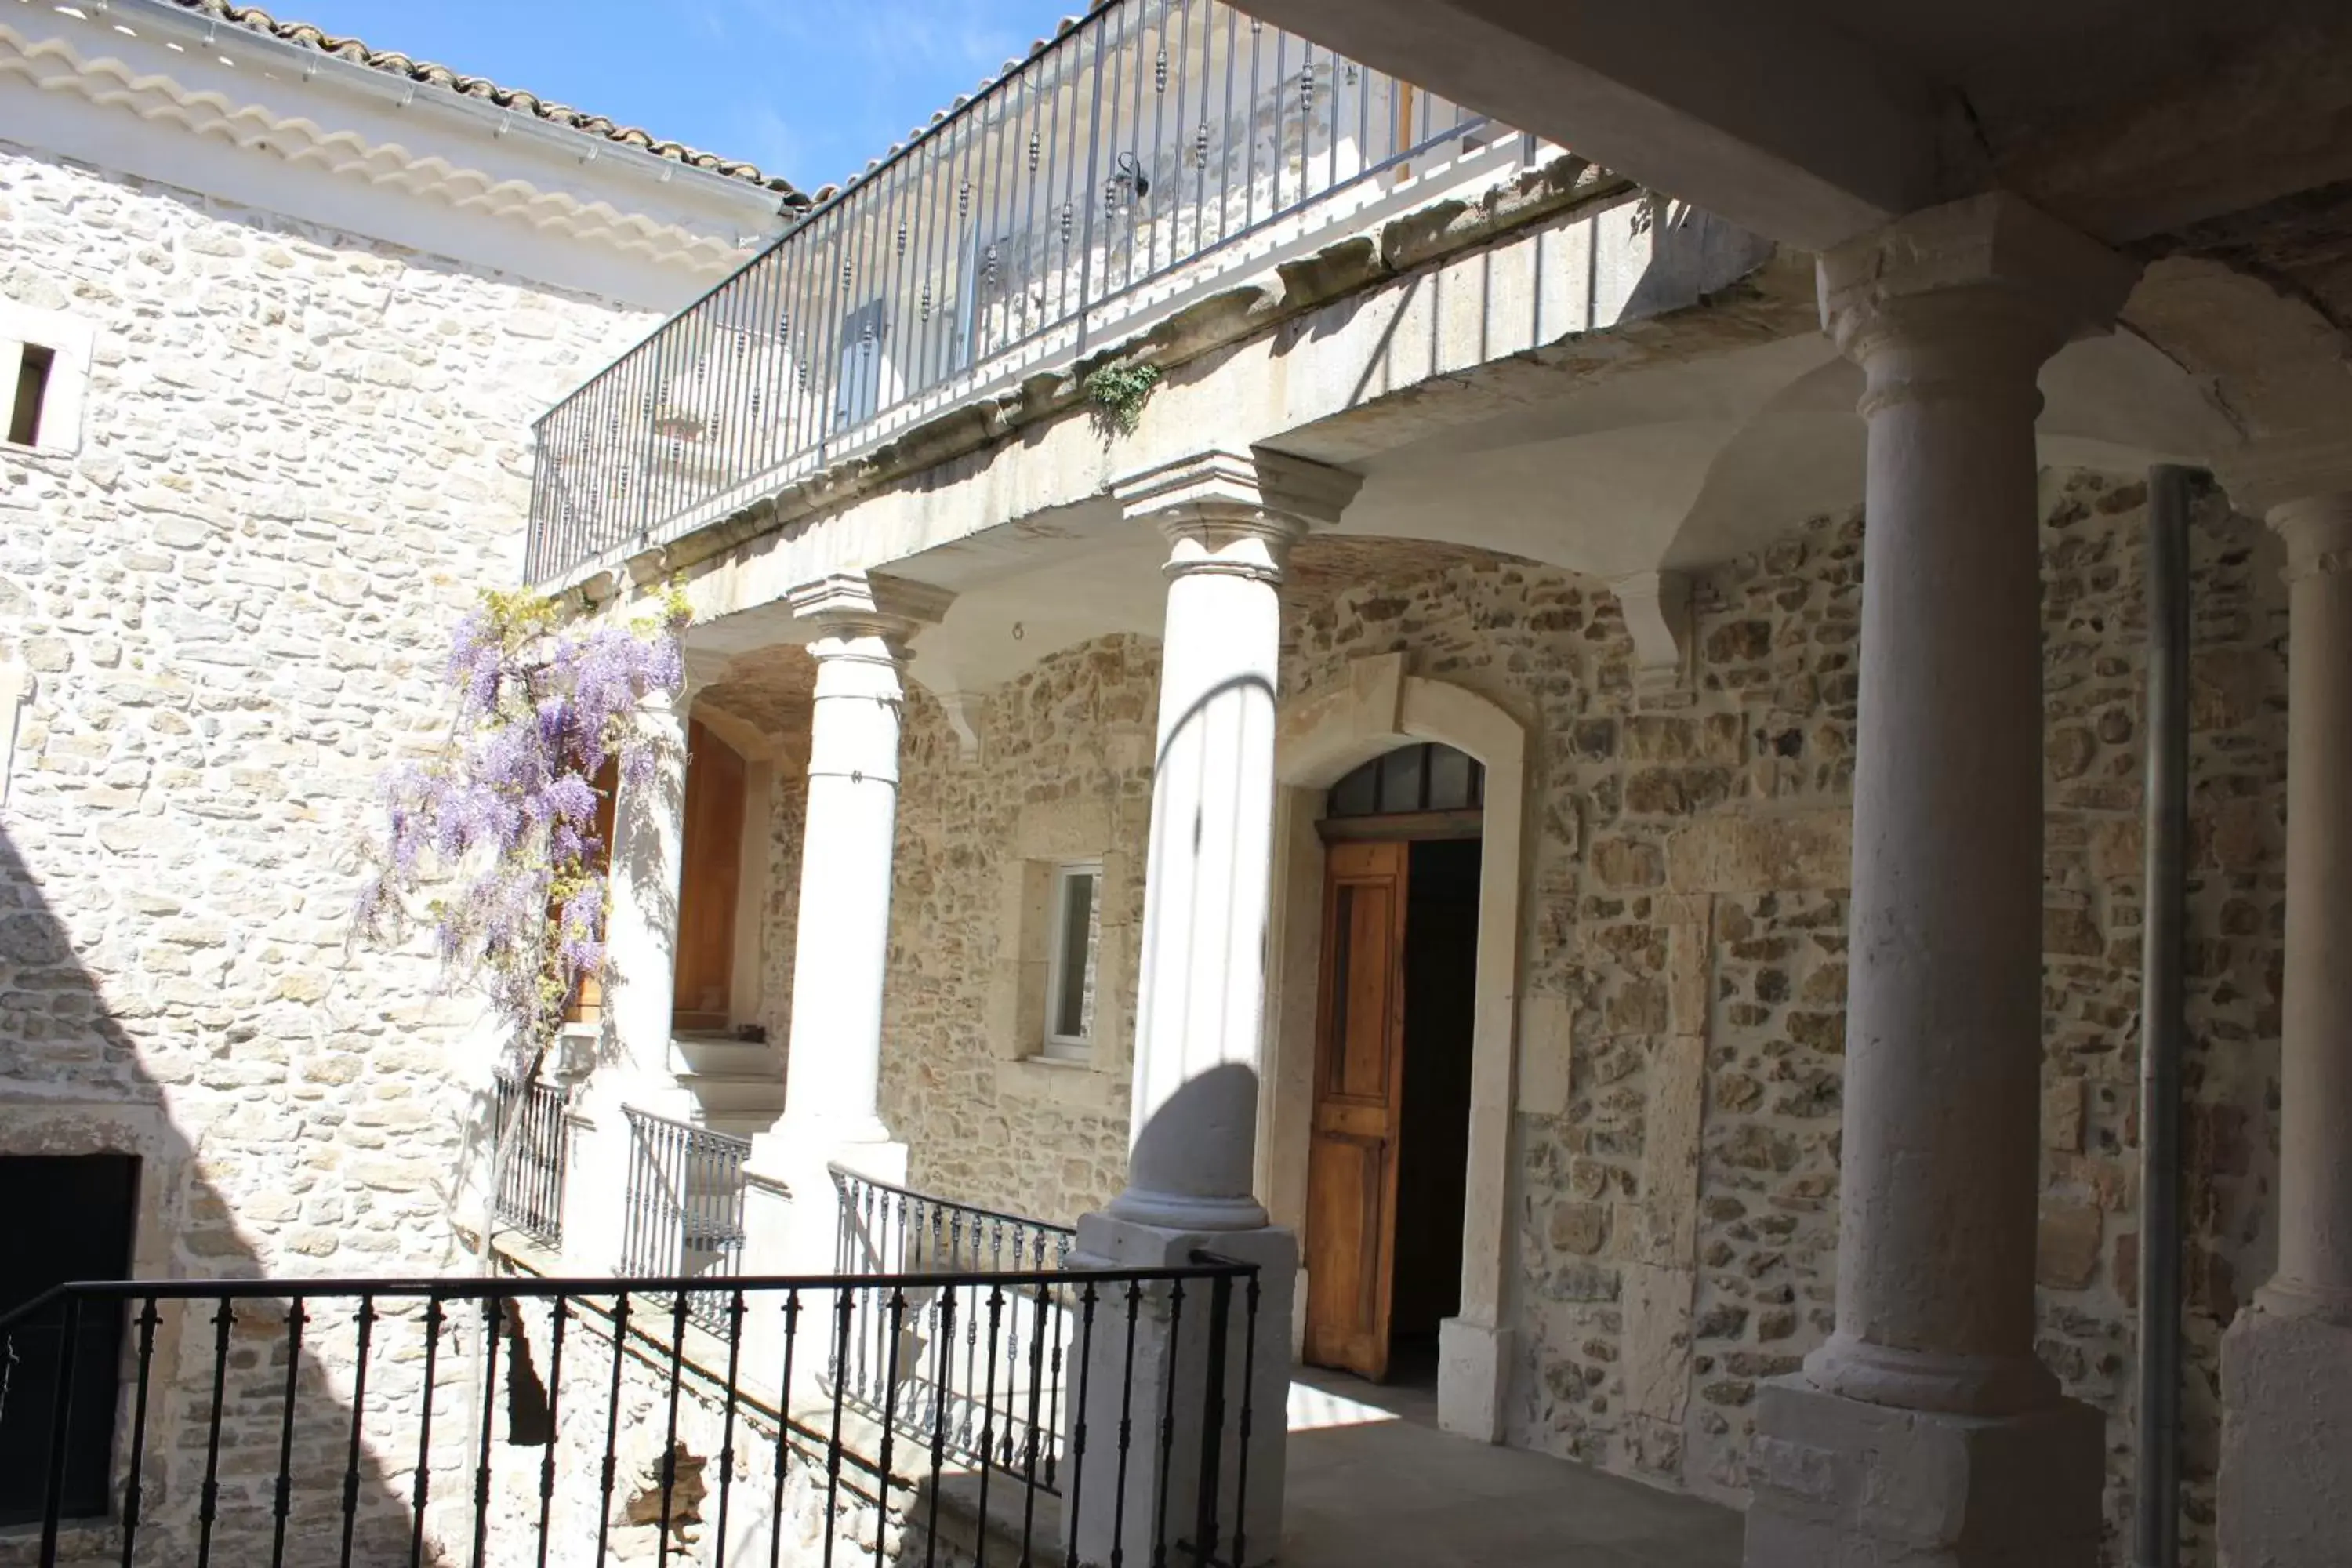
(1352, 1159)
(1360, 1064)
(712, 857)
(1348, 1186)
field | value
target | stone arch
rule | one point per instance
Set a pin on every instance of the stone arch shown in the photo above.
(1320, 735)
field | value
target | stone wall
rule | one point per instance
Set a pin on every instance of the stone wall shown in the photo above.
(1682, 968)
(303, 453)
(1063, 772)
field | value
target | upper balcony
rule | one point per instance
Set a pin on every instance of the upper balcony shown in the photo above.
(1152, 154)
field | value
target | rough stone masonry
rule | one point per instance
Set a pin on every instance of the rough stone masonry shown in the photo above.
(1683, 970)
(303, 453)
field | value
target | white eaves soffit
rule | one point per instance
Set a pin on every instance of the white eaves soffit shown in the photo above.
(147, 90)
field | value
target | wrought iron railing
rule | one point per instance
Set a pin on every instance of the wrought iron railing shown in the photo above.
(507, 1420)
(1071, 195)
(684, 1207)
(1013, 1419)
(532, 1151)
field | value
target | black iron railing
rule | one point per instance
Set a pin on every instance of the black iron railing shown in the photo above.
(1060, 205)
(533, 1153)
(684, 1205)
(1014, 1420)
(514, 1420)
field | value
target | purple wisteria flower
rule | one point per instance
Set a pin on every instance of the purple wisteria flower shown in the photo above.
(502, 828)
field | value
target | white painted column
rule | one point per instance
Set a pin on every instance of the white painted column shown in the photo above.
(639, 983)
(1230, 518)
(833, 1074)
(834, 1085)
(633, 1065)
(1925, 1430)
(2287, 1362)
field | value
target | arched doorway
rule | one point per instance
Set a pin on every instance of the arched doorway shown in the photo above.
(1323, 734)
(1390, 1132)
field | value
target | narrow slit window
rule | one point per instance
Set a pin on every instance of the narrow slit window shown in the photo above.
(1070, 978)
(32, 387)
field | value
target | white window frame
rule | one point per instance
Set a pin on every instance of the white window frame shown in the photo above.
(1055, 1046)
(70, 341)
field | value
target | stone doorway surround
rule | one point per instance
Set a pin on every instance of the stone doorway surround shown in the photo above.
(1320, 734)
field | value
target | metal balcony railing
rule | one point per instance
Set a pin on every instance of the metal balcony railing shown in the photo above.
(530, 1179)
(502, 1420)
(684, 1207)
(994, 1390)
(1069, 198)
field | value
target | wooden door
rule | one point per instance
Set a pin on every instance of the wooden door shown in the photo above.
(712, 855)
(1351, 1163)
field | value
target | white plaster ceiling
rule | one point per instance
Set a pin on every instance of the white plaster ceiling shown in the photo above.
(1679, 465)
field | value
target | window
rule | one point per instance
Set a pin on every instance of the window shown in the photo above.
(74, 1216)
(1072, 963)
(1411, 780)
(45, 357)
(32, 367)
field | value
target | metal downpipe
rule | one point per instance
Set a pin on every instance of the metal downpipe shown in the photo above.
(2156, 1536)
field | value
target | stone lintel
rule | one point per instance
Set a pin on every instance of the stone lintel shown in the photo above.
(1224, 490)
(853, 602)
(1984, 245)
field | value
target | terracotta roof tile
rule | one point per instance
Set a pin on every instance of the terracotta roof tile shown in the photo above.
(394, 63)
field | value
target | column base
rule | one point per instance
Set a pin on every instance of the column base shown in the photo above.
(793, 1226)
(2286, 1440)
(602, 1153)
(1160, 1386)
(1842, 1484)
(1473, 1378)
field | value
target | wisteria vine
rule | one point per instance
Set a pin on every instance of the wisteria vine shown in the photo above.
(493, 846)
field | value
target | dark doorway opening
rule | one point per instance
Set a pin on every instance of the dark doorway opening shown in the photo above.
(1388, 1159)
(75, 1215)
(1441, 957)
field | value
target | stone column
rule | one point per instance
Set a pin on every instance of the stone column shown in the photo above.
(1925, 1431)
(634, 1061)
(2287, 1361)
(1230, 518)
(832, 1071)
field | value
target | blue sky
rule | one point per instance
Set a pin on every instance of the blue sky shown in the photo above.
(806, 88)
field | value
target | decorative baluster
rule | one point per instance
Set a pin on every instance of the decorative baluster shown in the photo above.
(208, 1498)
(493, 1318)
(557, 1317)
(148, 1317)
(425, 1428)
(364, 1333)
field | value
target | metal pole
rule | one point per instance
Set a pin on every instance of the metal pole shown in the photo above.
(2157, 1527)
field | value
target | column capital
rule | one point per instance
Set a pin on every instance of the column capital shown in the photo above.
(1233, 509)
(2300, 485)
(858, 605)
(2318, 534)
(698, 667)
(1959, 271)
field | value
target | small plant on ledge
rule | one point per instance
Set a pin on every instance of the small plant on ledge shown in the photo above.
(1119, 392)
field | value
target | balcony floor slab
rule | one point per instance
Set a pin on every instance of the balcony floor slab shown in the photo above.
(1372, 1481)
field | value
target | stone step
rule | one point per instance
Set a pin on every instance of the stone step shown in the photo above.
(741, 1123)
(728, 1094)
(719, 1055)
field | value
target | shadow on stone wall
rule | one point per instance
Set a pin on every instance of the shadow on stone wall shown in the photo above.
(73, 1082)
